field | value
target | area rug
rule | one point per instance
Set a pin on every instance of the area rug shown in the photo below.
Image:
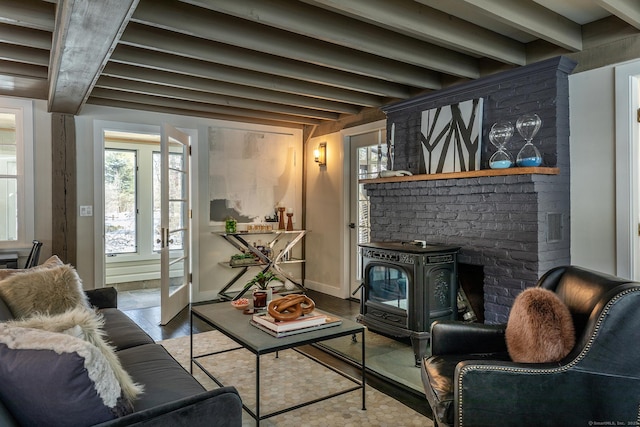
(289, 379)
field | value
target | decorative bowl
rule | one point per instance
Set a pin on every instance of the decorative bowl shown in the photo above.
(240, 303)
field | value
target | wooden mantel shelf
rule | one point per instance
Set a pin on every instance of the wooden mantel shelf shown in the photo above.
(471, 174)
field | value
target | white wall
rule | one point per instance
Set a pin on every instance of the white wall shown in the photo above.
(325, 220)
(209, 249)
(593, 169)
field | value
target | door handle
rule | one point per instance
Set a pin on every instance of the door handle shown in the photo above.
(352, 225)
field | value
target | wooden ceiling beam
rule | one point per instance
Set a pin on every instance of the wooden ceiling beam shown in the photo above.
(28, 37)
(211, 25)
(9, 68)
(179, 104)
(530, 17)
(25, 55)
(34, 14)
(195, 113)
(209, 98)
(431, 25)
(341, 30)
(627, 10)
(78, 55)
(171, 63)
(130, 72)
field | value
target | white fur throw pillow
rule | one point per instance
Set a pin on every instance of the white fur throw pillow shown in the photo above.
(540, 327)
(47, 291)
(87, 325)
(56, 379)
(53, 261)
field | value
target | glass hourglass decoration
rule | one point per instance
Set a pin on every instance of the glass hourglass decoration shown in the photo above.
(499, 135)
(528, 126)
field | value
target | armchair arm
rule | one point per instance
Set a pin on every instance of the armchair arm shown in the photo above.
(454, 337)
(221, 407)
(515, 394)
(103, 297)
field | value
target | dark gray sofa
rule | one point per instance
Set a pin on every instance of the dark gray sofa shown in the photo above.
(172, 396)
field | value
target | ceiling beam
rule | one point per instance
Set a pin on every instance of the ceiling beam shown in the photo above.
(317, 23)
(195, 113)
(627, 10)
(176, 64)
(130, 72)
(431, 25)
(34, 14)
(9, 68)
(220, 53)
(209, 98)
(79, 55)
(179, 104)
(210, 25)
(533, 18)
(26, 55)
(20, 36)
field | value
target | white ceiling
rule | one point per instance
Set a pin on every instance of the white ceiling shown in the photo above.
(287, 62)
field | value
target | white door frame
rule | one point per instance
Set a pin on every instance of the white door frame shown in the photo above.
(627, 101)
(346, 134)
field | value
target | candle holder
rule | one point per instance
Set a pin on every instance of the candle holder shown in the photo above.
(281, 216)
(289, 222)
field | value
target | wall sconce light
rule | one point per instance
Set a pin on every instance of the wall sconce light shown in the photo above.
(320, 154)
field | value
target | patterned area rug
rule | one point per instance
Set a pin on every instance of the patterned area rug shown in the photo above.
(287, 380)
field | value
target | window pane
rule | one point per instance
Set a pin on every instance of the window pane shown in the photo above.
(176, 196)
(8, 209)
(120, 201)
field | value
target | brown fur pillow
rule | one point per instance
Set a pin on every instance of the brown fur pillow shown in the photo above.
(540, 327)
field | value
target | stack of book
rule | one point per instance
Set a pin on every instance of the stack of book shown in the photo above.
(308, 322)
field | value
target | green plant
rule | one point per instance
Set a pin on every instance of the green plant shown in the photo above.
(261, 280)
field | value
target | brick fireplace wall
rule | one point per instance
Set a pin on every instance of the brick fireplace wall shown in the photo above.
(516, 227)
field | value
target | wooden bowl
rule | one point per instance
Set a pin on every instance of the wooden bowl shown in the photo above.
(240, 304)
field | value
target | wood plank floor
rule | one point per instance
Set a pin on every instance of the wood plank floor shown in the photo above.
(148, 319)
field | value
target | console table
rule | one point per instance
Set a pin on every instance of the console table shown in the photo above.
(274, 262)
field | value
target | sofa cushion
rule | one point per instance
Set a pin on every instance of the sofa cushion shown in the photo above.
(540, 327)
(56, 379)
(48, 291)
(5, 312)
(163, 378)
(121, 331)
(87, 325)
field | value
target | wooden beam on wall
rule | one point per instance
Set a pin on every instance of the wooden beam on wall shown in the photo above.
(64, 187)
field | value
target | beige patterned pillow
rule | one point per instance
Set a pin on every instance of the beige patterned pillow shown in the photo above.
(43, 291)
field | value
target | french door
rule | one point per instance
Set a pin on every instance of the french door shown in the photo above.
(368, 157)
(173, 237)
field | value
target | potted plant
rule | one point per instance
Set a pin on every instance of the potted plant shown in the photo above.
(260, 281)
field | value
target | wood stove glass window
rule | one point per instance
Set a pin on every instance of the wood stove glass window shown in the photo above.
(388, 285)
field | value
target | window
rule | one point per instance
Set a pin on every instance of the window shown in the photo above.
(120, 211)
(16, 173)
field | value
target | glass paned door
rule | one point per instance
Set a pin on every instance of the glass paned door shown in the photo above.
(368, 158)
(174, 223)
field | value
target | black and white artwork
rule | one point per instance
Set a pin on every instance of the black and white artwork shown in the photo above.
(450, 137)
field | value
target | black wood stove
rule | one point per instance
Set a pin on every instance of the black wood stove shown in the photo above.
(406, 286)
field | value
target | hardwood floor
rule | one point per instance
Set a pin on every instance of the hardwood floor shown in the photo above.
(148, 319)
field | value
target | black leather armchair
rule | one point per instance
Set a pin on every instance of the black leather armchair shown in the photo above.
(469, 379)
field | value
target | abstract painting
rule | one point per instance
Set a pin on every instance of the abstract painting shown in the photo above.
(450, 137)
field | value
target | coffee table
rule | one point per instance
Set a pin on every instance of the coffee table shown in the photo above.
(235, 325)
